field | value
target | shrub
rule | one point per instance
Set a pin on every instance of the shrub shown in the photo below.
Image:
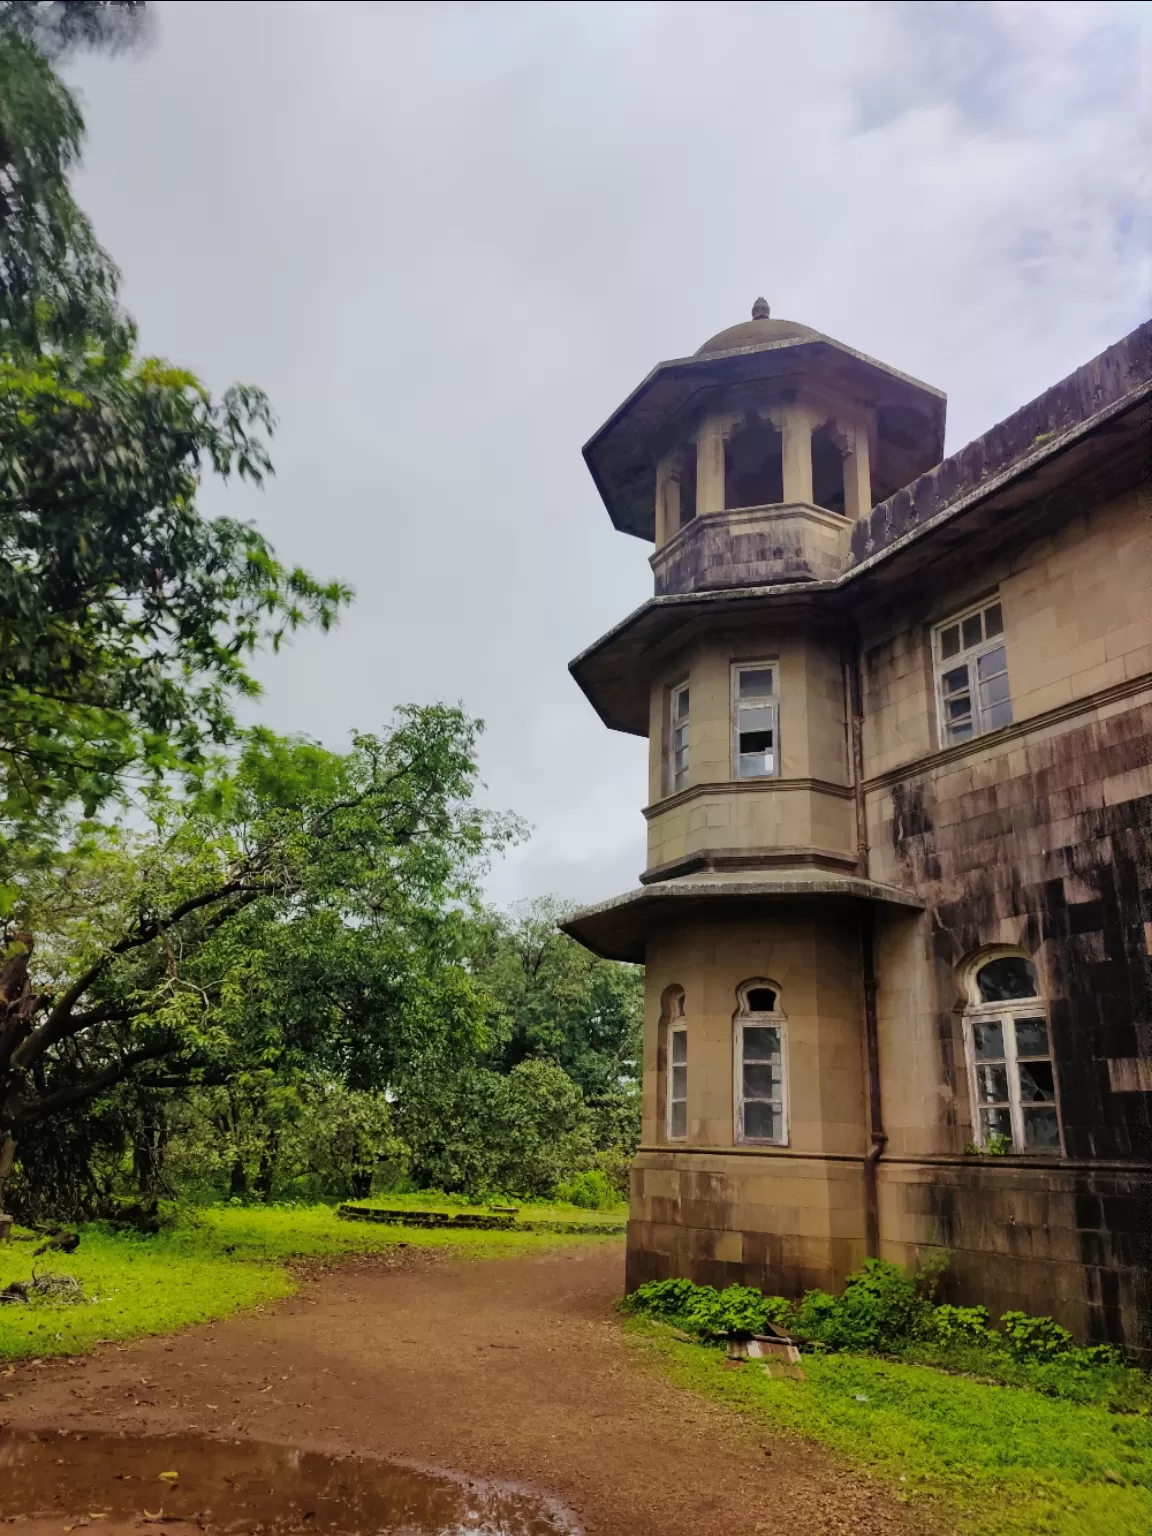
(592, 1190)
(664, 1298)
(881, 1308)
(735, 1309)
(1034, 1338)
(962, 1325)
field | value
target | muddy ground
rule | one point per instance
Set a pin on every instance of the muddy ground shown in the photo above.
(510, 1369)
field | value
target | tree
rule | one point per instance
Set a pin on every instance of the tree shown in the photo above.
(299, 908)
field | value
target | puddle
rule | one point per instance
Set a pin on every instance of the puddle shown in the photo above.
(113, 1484)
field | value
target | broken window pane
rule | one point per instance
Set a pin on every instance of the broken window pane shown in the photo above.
(971, 631)
(761, 1044)
(1032, 1037)
(1036, 1083)
(992, 1084)
(1005, 979)
(1041, 1130)
(756, 682)
(760, 1000)
(761, 1120)
(995, 1122)
(950, 641)
(993, 621)
(761, 1080)
(988, 1040)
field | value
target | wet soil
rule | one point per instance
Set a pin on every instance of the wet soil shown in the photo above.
(124, 1483)
(510, 1369)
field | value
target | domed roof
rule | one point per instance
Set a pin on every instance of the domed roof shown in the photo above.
(756, 332)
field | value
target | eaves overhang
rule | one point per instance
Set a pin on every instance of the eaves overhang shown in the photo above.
(619, 929)
(620, 455)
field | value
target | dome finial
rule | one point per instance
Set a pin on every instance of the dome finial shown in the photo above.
(760, 310)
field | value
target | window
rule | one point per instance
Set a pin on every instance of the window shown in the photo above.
(972, 675)
(754, 464)
(678, 738)
(1010, 1069)
(755, 746)
(676, 1080)
(761, 1110)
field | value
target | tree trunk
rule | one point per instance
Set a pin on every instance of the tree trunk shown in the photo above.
(7, 1158)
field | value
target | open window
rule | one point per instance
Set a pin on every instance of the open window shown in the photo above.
(760, 1060)
(674, 1030)
(754, 464)
(755, 720)
(1011, 1074)
(827, 470)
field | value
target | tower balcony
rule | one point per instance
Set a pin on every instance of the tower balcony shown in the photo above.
(753, 547)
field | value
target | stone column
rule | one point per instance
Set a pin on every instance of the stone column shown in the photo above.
(858, 476)
(710, 465)
(796, 427)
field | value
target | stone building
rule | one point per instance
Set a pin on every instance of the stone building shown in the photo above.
(897, 914)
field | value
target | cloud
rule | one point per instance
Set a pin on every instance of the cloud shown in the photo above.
(448, 239)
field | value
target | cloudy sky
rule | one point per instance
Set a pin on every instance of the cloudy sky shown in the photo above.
(449, 238)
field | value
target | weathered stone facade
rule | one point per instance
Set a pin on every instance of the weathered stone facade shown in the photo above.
(839, 850)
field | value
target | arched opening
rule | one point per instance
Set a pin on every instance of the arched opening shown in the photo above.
(760, 1061)
(1011, 1073)
(754, 464)
(827, 470)
(687, 477)
(673, 1064)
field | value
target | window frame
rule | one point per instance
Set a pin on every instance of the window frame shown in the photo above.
(770, 701)
(1007, 1014)
(746, 1017)
(672, 723)
(677, 1025)
(968, 657)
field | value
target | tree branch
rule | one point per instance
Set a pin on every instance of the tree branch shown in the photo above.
(80, 1093)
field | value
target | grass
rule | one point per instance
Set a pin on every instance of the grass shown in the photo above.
(995, 1460)
(213, 1262)
(529, 1210)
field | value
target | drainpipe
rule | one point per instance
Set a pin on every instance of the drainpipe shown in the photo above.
(877, 1138)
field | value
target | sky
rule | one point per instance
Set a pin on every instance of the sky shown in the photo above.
(449, 239)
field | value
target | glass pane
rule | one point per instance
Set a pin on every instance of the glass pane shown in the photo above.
(755, 741)
(960, 707)
(995, 690)
(972, 631)
(682, 704)
(756, 682)
(1041, 1130)
(960, 732)
(761, 1120)
(949, 641)
(992, 1085)
(679, 1082)
(995, 1122)
(755, 717)
(1003, 980)
(992, 662)
(679, 1045)
(761, 1044)
(680, 737)
(761, 1000)
(993, 621)
(757, 765)
(998, 715)
(956, 681)
(1032, 1037)
(1036, 1083)
(761, 1081)
(678, 1119)
(988, 1041)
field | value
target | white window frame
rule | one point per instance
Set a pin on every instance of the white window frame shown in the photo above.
(970, 657)
(748, 1018)
(1006, 1014)
(676, 1026)
(769, 701)
(678, 778)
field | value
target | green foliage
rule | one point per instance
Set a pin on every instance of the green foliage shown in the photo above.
(982, 1460)
(1034, 1338)
(881, 1307)
(704, 1310)
(663, 1298)
(592, 1190)
(960, 1325)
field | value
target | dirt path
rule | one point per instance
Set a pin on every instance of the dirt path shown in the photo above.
(509, 1369)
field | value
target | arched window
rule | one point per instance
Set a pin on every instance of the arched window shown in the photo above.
(754, 464)
(1011, 1075)
(674, 1042)
(760, 1060)
(827, 469)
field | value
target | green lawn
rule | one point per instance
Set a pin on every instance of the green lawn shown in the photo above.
(213, 1262)
(996, 1461)
(528, 1210)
